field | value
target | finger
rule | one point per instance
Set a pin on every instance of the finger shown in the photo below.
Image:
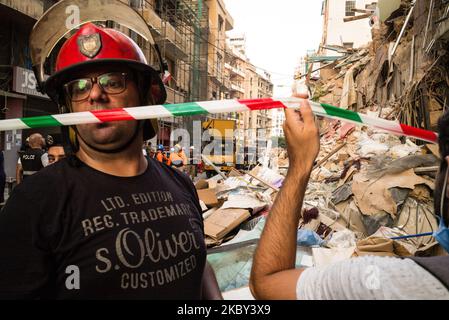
(293, 118)
(306, 113)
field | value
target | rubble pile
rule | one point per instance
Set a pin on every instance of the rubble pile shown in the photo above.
(371, 188)
(339, 88)
(240, 198)
(404, 68)
(369, 191)
(366, 188)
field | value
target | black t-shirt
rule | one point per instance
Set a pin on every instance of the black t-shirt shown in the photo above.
(72, 232)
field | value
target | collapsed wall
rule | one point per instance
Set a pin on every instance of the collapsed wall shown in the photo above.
(404, 70)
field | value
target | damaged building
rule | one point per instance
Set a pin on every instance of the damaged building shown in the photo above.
(403, 69)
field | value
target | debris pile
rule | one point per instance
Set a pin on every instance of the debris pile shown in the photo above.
(369, 187)
(369, 191)
(240, 198)
(403, 70)
(366, 188)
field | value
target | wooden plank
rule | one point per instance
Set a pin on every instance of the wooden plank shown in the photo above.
(330, 154)
(209, 162)
(362, 16)
(362, 11)
(426, 169)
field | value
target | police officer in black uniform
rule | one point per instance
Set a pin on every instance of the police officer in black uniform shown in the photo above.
(33, 159)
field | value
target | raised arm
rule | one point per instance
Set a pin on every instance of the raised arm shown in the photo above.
(273, 274)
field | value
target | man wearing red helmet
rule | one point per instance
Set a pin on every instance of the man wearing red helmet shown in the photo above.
(105, 223)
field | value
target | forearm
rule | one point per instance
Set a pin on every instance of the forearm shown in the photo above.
(273, 274)
(18, 175)
(276, 251)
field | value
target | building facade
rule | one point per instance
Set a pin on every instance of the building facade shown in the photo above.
(181, 29)
(18, 87)
(220, 21)
(249, 82)
(336, 32)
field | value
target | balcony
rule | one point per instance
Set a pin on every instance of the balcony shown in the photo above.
(164, 32)
(174, 96)
(235, 70)
(237, 87)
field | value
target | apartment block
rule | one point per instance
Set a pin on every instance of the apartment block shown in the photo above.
(248, 82)
(220, 21)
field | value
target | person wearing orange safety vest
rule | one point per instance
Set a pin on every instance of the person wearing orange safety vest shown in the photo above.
(161, 157)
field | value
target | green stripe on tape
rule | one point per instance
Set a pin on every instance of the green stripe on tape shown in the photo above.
(185, 109)
(342, 113)
(41, 121)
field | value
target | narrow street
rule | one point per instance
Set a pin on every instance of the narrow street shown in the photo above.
(224, 149)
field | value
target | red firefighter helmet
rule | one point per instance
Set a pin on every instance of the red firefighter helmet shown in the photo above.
(91, 46)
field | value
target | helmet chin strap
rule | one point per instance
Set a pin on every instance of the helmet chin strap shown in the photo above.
(137, 130)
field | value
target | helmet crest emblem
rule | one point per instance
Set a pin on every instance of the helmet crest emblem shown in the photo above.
(89, 45)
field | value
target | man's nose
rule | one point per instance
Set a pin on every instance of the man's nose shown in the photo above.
(97, 93)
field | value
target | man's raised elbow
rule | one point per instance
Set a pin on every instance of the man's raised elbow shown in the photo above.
(255, 286)
(252, 288)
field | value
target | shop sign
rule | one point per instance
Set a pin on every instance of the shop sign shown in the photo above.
(24, 81)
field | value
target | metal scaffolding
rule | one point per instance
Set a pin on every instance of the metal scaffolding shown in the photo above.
(181, 30)
(182, 35)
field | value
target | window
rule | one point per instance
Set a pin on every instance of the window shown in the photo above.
(220, 23)
(136, 4)
(219, 64)
(348, 8)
